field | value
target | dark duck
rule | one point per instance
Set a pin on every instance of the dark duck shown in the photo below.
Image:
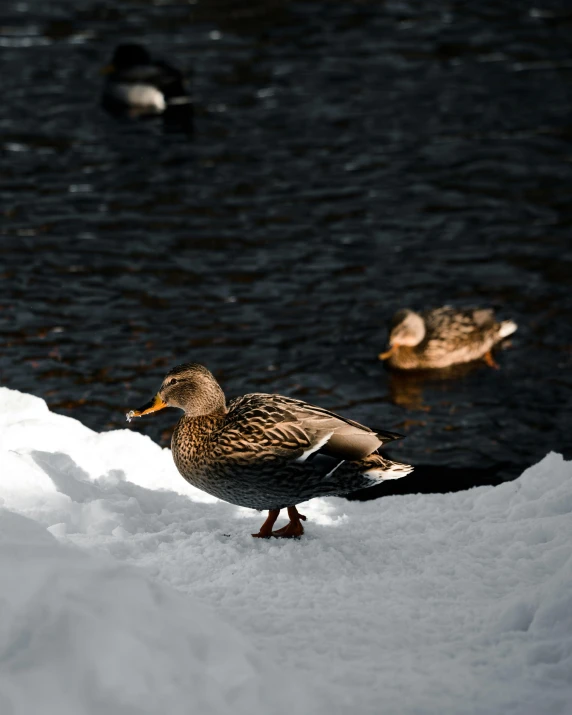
(267, 452)
(138, 84)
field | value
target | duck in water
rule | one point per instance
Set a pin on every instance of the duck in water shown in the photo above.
(138, 84)
(444, 336)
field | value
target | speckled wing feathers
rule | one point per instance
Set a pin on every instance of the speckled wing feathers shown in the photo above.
(459, 324)
(457, 335)
(292, 428)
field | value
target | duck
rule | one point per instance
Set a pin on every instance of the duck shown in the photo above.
(139, 84)
(267, 452)
(444, 336)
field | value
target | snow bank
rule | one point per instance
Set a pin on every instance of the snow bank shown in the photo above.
(82, 634)
(455, 603)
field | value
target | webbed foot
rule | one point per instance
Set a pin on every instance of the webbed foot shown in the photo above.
(491, 362)
(293, 528)
(266, 528)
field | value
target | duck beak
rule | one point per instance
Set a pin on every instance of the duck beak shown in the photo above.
(108, 69)
(157, 403)
(388, 353)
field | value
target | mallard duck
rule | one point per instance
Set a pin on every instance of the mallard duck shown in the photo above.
(139, 84)
(444, 336)
(267, 452)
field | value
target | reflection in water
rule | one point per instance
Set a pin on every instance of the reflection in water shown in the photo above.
(406, 386)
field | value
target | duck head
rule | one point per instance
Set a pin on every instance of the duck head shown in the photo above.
(190, 387)
(407, 330)
(127, 56)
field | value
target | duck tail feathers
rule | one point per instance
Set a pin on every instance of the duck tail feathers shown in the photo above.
(386, 436)
(387, 469)
(507, 327)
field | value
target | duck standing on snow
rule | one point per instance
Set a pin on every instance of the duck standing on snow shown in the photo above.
(443, 337)
(267, 452)
(138, 84)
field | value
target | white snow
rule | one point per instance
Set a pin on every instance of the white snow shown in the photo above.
(84, 634)
(414, 605)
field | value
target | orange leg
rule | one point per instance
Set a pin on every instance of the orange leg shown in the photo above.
(491, 362)
(266, 528)
(294, 527)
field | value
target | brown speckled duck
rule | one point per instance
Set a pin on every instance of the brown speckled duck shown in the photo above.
(444, 336)
(267, 452)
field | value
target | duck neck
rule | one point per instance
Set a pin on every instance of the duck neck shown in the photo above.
(209, 401)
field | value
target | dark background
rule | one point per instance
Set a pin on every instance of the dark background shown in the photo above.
(349, 159)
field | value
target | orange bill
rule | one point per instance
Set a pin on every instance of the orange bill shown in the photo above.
(154, 405)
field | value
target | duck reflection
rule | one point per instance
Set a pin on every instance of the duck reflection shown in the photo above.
(406, 386)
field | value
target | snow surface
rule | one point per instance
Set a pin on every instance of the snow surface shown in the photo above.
(419, 604)
(85, 634)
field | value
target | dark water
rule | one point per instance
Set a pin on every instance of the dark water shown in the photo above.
(349, 158)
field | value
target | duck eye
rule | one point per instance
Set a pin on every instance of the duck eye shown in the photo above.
(172, 382)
